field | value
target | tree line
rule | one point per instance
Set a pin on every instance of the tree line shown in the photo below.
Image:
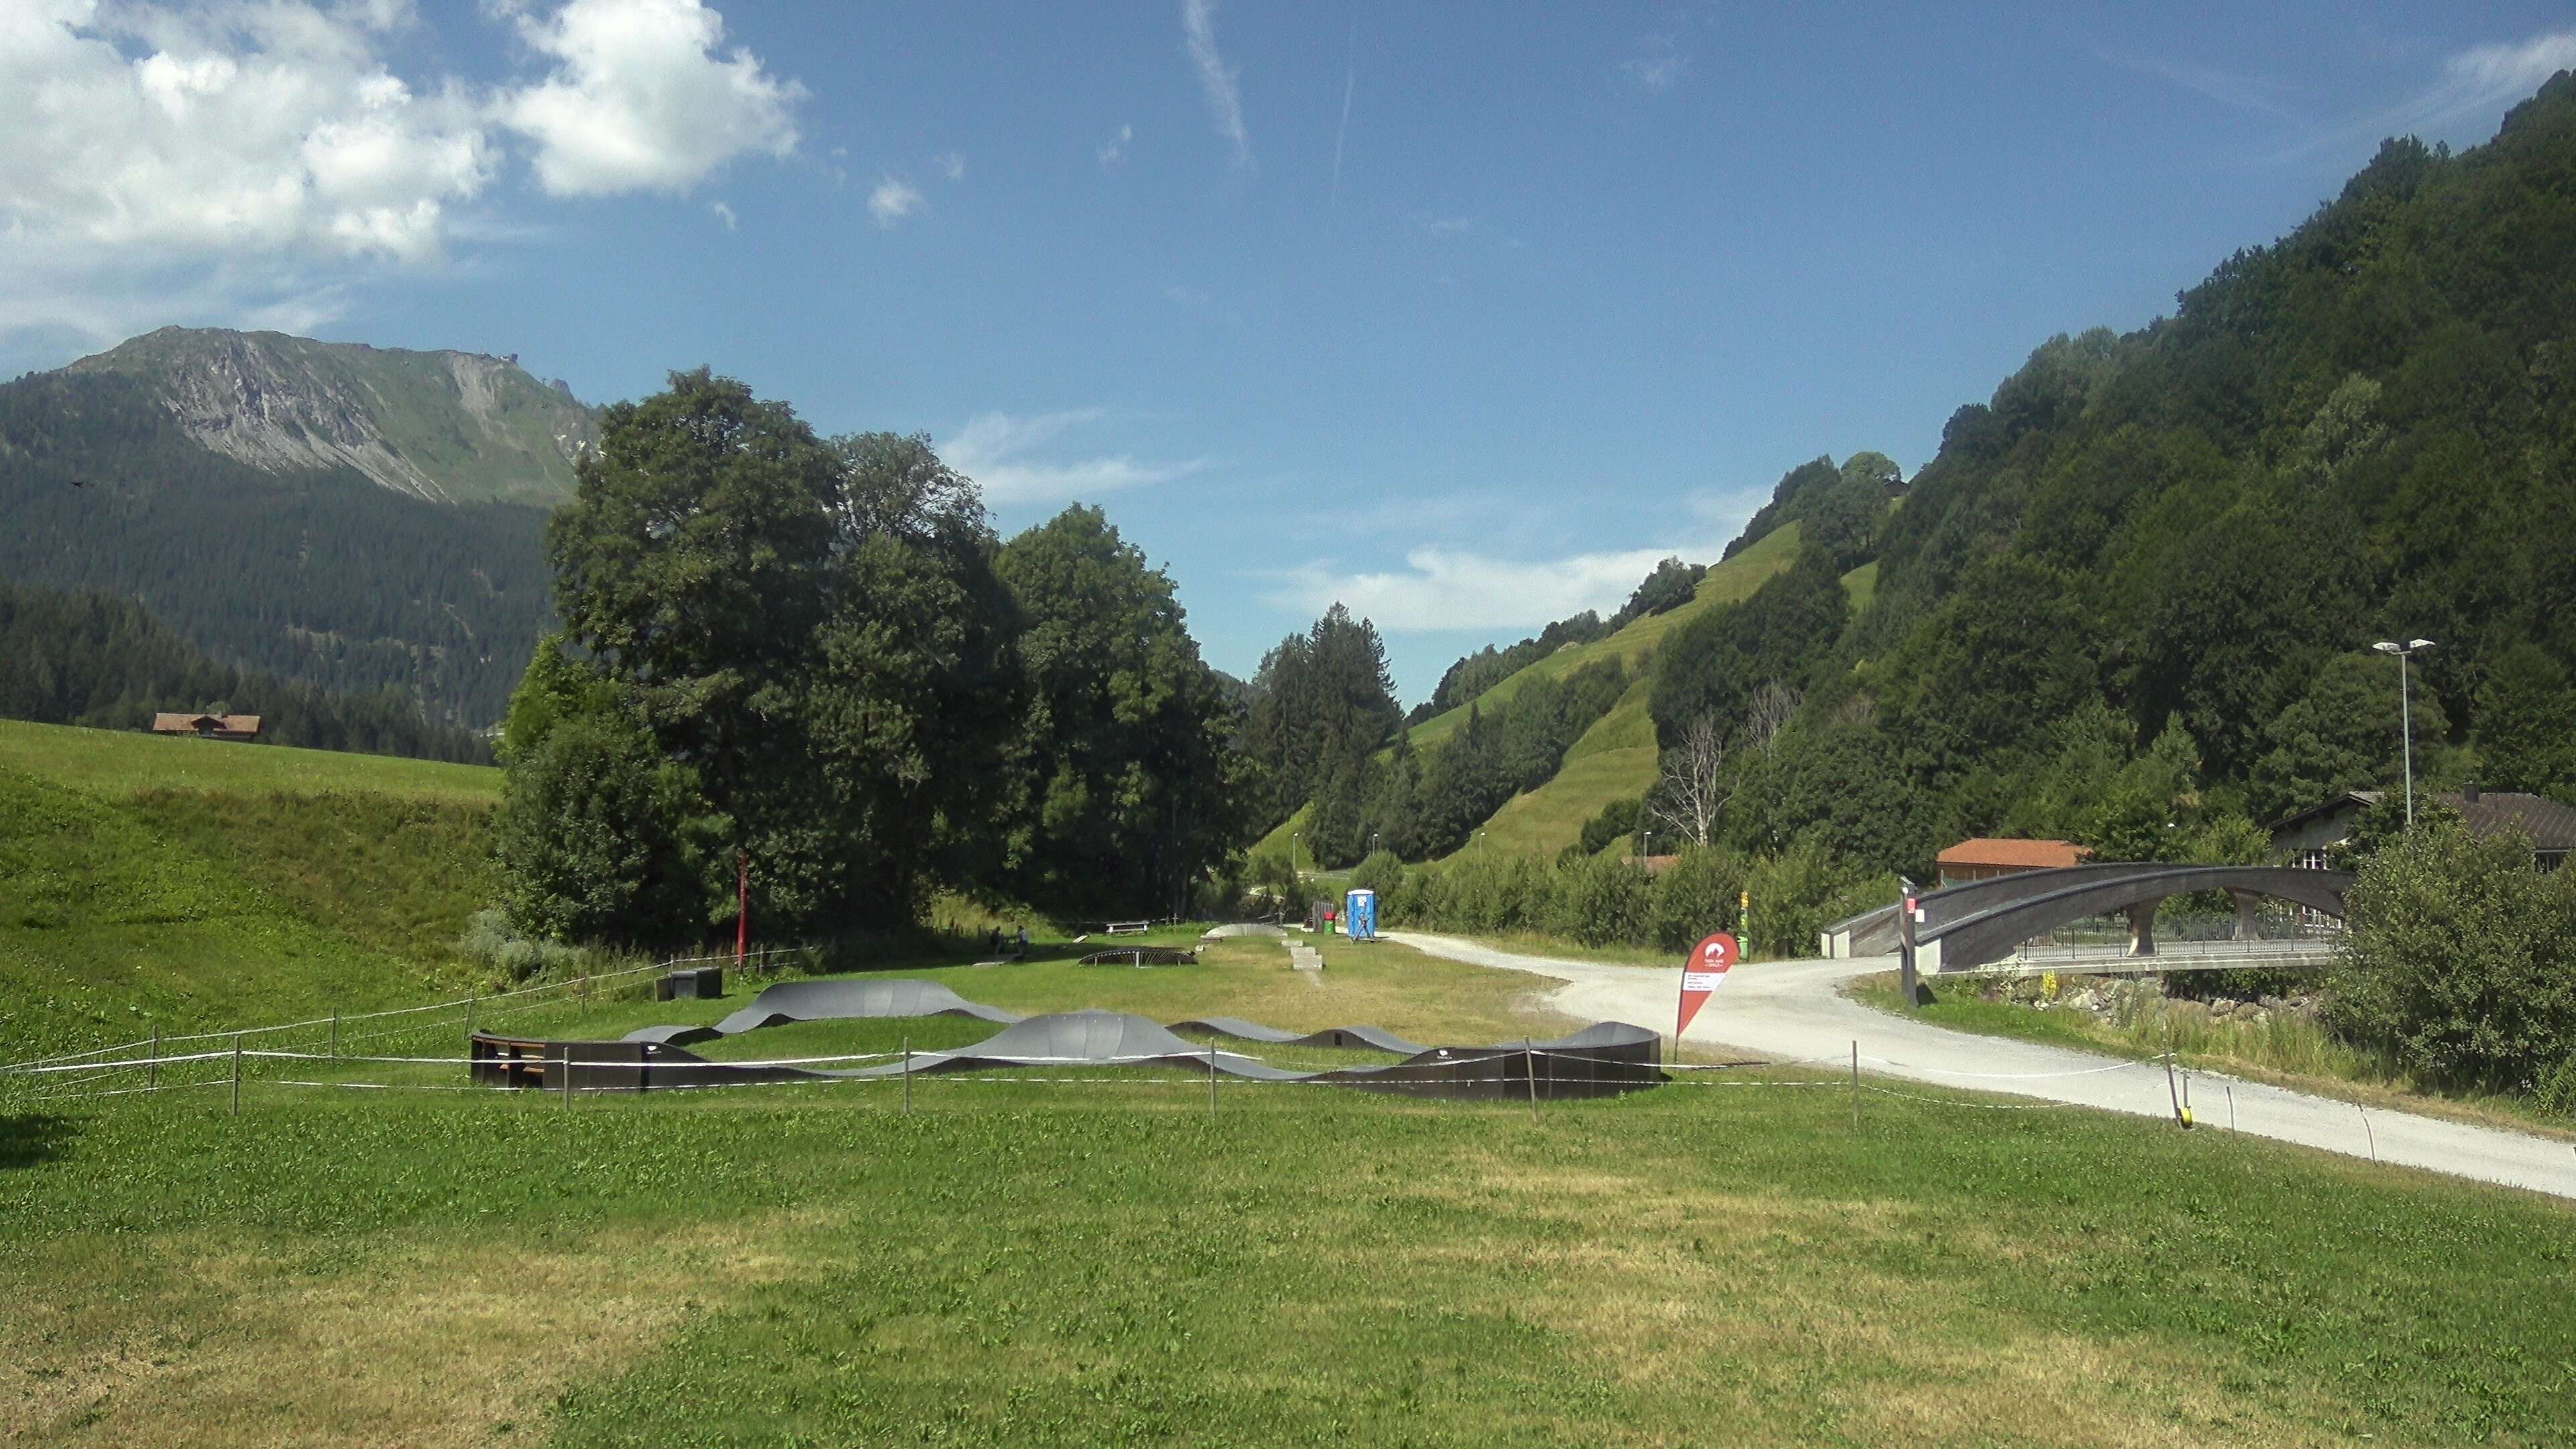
(813, 656)
(102, 662)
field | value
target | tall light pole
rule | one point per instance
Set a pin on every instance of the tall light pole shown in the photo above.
(1293, 873)
(2405, 712)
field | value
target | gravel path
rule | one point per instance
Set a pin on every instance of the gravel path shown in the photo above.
(1795, 1010)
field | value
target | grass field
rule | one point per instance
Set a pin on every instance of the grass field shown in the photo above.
(1099, 1262)
(118, 762)
(166, 883)
(1095, 1257)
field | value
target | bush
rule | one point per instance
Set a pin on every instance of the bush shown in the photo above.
(1606, 902)
(2557, 1092)
(1602, 831)
(2460, 960)
(1696, 897)
(490, 944)
(1382, 872)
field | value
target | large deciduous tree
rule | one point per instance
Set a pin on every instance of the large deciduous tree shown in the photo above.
(776, 647)
(1127, 729)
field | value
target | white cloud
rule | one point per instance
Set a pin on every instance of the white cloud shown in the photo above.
(2488, 78)
(639, 100)
(952, 165)
(893, 200)
(1114, 155)
(1446, 226)
(1216, 78)
(1658, 62)
(724, 213)
(1454, 589)
(244, 131)
(1186, 295)
(248, 161)
(994, 449)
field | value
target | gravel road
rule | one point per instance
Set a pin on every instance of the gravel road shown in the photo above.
(1795, 1010)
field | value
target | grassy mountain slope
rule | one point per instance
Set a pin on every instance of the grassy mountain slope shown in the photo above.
(447, 427)
(1617, 732)
(178, 883)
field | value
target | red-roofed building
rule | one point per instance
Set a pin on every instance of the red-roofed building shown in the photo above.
(1985, 859)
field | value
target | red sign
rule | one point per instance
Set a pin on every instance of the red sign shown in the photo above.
(1702, 974)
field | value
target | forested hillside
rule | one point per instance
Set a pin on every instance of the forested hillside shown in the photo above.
(106, 663)
(320, 577)
(2133, 599)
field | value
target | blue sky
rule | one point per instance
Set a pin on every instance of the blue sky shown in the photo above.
(1460, 313)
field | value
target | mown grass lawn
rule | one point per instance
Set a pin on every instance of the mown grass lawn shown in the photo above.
(1089, 1264)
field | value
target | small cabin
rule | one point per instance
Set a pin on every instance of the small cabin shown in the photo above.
(208, 726)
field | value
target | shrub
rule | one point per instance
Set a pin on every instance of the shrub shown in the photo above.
(1382, 872)
(1605, 902)
(1618, 818)
(1696, 897)
(491, 945)
(2460, 960)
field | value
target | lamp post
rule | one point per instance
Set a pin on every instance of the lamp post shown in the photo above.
(1373, 842)
(1480, 845)
(1646, 848)
(1293, 873)
(2405, 713)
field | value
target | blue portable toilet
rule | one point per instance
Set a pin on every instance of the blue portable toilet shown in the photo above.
(1359, 915)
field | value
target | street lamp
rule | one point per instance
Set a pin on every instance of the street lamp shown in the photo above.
(2405, 712)
(1372, 842)
(1480, 845)
(1293, 873)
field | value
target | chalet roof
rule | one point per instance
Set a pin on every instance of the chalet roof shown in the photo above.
(2549, 824)
(2015, 854)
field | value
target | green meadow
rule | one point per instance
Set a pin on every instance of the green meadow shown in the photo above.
(372, 1252)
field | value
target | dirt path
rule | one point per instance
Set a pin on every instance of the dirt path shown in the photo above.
(1795, 1010)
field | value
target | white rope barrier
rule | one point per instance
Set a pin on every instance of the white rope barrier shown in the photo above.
(754, 962)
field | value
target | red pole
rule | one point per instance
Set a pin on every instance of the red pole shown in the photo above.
(742, 913)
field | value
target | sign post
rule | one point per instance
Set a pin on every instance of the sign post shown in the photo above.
(1908, 911)
(1702, 974)
(742, 911)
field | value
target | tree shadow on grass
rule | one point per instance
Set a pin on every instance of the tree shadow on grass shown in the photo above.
(33, 1138)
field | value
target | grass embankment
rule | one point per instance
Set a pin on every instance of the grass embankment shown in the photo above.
(2285, 1050)
(179, 883)
(1041, 1264)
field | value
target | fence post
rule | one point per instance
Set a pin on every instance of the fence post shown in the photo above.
(152, 1073)
(470, 1000)
(1855, 1085)
(907, 1075)
(236, 1074)
(335, 1033)
(1211, 1076)
(1529, 1062)
(2171, 1092)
